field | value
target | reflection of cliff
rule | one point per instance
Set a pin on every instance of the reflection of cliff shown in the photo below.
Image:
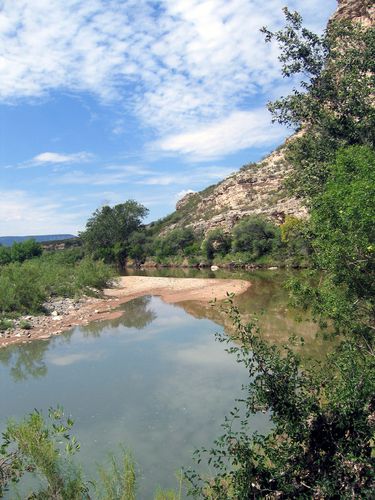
(267, 303)
(136, 314)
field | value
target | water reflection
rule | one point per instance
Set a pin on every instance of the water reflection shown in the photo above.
(266, 298)
(135, 314)
(25, 361)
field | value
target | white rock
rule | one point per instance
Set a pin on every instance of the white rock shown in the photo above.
(214, 268)
(55, 313)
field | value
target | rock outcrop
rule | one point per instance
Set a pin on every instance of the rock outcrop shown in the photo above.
(257, 189)
(362, 11)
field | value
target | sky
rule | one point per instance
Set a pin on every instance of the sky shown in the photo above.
(102, 101)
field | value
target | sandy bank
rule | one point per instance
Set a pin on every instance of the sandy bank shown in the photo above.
(171, 290)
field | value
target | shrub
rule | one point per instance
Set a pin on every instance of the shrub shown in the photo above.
(256, 236)
(180, 241)
(216, 243)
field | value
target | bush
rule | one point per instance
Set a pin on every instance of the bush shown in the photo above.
(216, 243)
(256, 236)
(19, 252)
(25, 286)
(323, 419)
(182, 242)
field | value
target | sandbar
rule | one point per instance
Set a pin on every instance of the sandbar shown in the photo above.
(171, 290)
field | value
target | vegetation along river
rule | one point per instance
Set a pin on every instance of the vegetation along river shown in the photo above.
(154, 380)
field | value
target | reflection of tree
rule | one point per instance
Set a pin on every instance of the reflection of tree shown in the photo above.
(25, 360)
(135, 314)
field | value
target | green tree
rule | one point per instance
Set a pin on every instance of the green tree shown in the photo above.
(180, 241)
(43, 449)
(334, 102)
(24, 250)
(342, 222)
(216, 243)
(254, 235)
(108, 230)
(321, 444)
(323, 419)
(5, 257)
(140, 246)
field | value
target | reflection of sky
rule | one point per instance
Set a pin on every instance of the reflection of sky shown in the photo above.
(161, 390)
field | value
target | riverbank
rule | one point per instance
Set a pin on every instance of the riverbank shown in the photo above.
(65, 313)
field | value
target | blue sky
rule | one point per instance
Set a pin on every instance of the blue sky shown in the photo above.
(106, 100)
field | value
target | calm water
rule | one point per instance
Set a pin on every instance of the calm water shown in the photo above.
(154, 380)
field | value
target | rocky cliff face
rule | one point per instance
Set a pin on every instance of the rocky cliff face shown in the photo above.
(362, 11)
(257, 189)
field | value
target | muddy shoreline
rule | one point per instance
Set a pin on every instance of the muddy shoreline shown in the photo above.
(88, 309)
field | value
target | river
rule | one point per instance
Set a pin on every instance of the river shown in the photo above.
(154, 380)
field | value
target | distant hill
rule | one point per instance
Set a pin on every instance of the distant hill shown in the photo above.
(9, 240)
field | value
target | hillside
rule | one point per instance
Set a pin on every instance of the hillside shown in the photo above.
(257, 188)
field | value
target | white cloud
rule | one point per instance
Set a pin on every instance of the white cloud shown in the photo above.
(48, 157)
(177, 64)
(22, 214)
(240, 130)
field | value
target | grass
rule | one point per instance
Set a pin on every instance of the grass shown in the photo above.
(25, 286)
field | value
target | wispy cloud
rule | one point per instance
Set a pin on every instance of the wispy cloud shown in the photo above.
(20, 211)
(176, 65)
(48, 157)
(240, 130)
(108, 175)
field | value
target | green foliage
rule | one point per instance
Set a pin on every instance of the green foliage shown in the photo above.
(216, 243)
(256, 236)
(25, 286)
(140, 246)
(335, 104)
(108, 230)
(296, 238)
(118, 482)
(342, 222)
(5, 324)
(180, 241)
(20, 252)
(5, 257)
(25, 250)
(323, 420)
(321, 444)
(44, 450)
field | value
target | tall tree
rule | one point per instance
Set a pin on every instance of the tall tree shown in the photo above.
(109, 228)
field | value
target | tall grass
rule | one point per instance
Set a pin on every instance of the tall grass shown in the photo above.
(25, 286)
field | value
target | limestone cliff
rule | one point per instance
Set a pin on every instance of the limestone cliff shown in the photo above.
(256, 188)
(362, 11)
